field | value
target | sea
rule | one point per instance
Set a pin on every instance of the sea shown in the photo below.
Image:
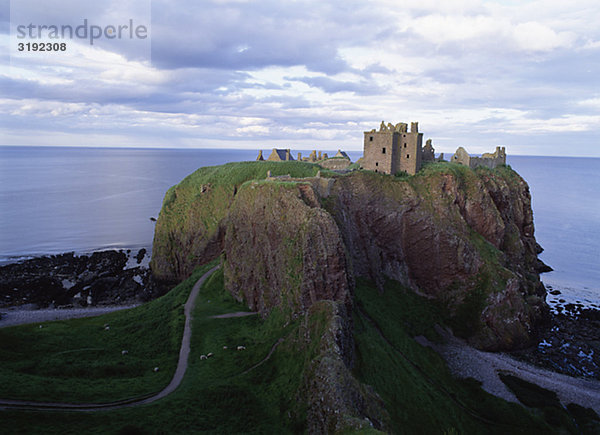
(65, 199)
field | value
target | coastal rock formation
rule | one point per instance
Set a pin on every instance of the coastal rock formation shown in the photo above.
(336, 400)
(190, 228)
(67, 280)
(462, 237)
(450, 237)
(282, 249)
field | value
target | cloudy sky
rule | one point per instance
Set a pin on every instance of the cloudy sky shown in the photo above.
(309, 74)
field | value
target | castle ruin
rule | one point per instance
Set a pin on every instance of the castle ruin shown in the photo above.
(277, 155)
(340, 161)
(393, 148)
(489, 160)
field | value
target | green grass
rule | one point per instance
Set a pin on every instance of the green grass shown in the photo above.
(546, 401)
(78, 360)
(575, 418)
(420, 394)
(241, 392)
(222, 394)
(236, 173)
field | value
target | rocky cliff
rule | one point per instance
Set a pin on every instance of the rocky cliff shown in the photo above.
(282, 249)
(190, 227)
(461, 237)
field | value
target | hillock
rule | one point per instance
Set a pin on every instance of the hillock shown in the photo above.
(193, 213)
(462, 237)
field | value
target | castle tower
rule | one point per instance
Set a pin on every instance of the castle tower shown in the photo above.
(393, 149)
(380, 149)
(410, 147)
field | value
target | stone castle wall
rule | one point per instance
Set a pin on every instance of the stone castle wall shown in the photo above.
(488, 160)
(379, 150)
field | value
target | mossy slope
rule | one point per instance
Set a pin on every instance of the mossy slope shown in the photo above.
(189, 228)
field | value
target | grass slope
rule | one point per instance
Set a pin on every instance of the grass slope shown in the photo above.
(420, 394)
(233, 391)
(80, 361)
(246, 392)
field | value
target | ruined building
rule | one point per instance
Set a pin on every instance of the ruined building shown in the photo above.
(278, 155)
(428, 154)
(393, 148)
(342, 160)
(489, 160)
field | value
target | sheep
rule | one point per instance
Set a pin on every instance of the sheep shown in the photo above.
(203, 357)
(241, 348)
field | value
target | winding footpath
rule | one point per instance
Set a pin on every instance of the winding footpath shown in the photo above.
(465, 361)
(182, 365)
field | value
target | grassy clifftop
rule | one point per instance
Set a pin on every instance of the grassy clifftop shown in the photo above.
(189, 229)
(462, 237)
(346, 272)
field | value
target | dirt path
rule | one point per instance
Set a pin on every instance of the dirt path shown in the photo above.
(236, 314)
(265, 359)
(465, 361)
(182, 365)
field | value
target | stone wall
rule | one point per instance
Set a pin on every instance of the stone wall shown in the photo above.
(393, 148)
(336, 164)
(489, 160)
(410, 150)
(379, 150)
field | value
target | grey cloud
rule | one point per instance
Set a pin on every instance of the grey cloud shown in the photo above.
(331, 86)
(4, 16)
(255, 35)
(183, 85)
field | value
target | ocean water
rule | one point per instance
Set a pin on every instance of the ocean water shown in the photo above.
(55, 200)
(565, 195)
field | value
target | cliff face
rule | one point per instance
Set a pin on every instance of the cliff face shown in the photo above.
(282, 249)
(448, 235)
(463, 238)
(190, 227)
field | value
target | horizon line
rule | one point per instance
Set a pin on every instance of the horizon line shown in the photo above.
(130, 147)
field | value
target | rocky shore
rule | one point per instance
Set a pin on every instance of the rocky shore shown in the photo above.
(71, 281)
(568, 344)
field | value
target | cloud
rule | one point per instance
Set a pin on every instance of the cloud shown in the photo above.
(225, 35)
(533, 36)
(488, 31)
(238, 73)
(332, 86)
